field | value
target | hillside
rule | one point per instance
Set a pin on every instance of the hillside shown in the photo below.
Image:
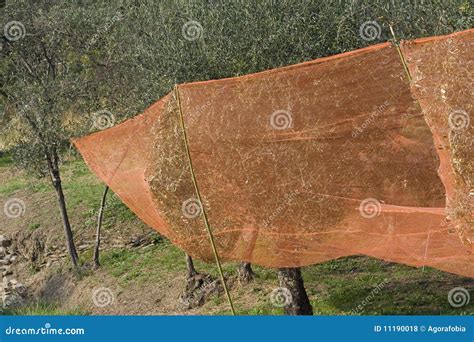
(143, 273)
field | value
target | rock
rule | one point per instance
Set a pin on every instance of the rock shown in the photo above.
(4, 241)
(3, 252)
(5, 262)
(20, 288)
(7, 272)
(30, 245)
(12, 300)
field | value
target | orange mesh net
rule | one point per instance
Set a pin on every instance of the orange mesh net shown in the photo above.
(311, 162)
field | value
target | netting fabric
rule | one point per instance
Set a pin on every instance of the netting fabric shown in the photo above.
(334, 157)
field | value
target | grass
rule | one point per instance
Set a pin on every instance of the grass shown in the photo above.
(121, 212)
(34, 226)
(365, 286)
(83, 192)
(339, 287)
(342, 286)
(334, 287)
(82, 189)
(143, 265)
(80, 186)
(41, 308)
(12, 186)
(6, 160)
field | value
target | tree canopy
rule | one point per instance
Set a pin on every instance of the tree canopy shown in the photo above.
(77, 66)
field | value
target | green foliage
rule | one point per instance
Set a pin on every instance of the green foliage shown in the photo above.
(30, 157)
(80, 57)
(242, 37)
(42, 308)
(5, 160)
(124, 55)
(34, 226)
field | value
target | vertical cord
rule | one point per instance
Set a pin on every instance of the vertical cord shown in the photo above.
(198, 194)
(402, 58)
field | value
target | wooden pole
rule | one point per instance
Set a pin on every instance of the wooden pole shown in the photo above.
(203, 210)
(99, 226)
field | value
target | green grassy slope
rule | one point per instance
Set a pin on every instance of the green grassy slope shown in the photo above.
(335, 287)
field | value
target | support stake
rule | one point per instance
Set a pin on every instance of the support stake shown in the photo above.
(204, 214)
(400, 53)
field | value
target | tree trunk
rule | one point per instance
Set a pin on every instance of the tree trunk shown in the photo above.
(190, 270)
(99, 226)
(52, 160)
(66, 225)
(245, 272)
(291, 279)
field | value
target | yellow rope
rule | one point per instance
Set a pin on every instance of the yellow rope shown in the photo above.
(198, 194)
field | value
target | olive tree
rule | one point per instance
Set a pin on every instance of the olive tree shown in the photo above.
(51, 76)
(63, 59)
